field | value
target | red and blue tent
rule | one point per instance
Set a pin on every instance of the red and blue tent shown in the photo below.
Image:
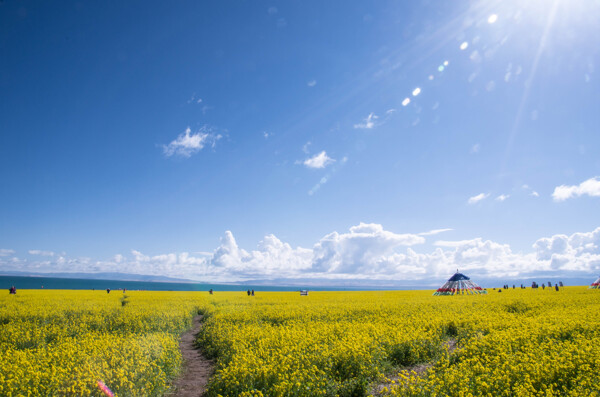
(459, 284)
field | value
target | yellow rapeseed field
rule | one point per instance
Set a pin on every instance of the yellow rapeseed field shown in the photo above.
(514, 343)
(57, 343)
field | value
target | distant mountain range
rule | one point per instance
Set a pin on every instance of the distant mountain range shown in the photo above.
(316, 282)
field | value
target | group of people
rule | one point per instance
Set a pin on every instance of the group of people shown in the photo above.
(12, 290)
(250, 292)
(535, 285)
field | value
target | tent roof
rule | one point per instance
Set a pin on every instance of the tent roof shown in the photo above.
(458, 276)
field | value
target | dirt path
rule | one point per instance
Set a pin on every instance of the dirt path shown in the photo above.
(196, 368)
(419, 369)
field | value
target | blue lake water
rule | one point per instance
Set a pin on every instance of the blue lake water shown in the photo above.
(73, 283)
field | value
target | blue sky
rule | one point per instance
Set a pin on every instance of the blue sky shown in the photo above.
(245, 140)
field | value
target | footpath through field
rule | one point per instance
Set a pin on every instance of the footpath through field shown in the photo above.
(197, 368)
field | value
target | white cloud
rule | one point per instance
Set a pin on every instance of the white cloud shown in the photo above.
(366, 251)
(312, 83)
(475, 148)
(577, 252)
(272, 258)
(6, 252)
(532, 192)
(478, 198)
(390, 111)
(41, 253)
(502, 197)
(320, 160)
(434, 232)
(590, 187)
(187, 144)
(369, 122)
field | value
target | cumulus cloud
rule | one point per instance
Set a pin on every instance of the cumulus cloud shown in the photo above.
(6, 252)
(366, 249)
(590, 187)
(478, 198)
(502, 197)
(369, 122)
(577, 252)
(320, 160)
(41, 253)
(188, 143)
(365, 252)
(272, 258)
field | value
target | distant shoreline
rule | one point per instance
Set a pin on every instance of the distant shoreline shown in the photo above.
(42, 282)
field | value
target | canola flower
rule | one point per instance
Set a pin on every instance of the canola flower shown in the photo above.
(405, 343)
(401, 343)
(90, 343)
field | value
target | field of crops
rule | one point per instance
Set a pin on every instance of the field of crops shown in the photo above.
(514, 343)
(56, 343)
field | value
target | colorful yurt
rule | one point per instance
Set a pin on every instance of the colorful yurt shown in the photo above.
(459, 284)
(596, 284)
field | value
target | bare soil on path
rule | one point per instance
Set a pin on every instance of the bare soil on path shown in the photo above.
(197, 369)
